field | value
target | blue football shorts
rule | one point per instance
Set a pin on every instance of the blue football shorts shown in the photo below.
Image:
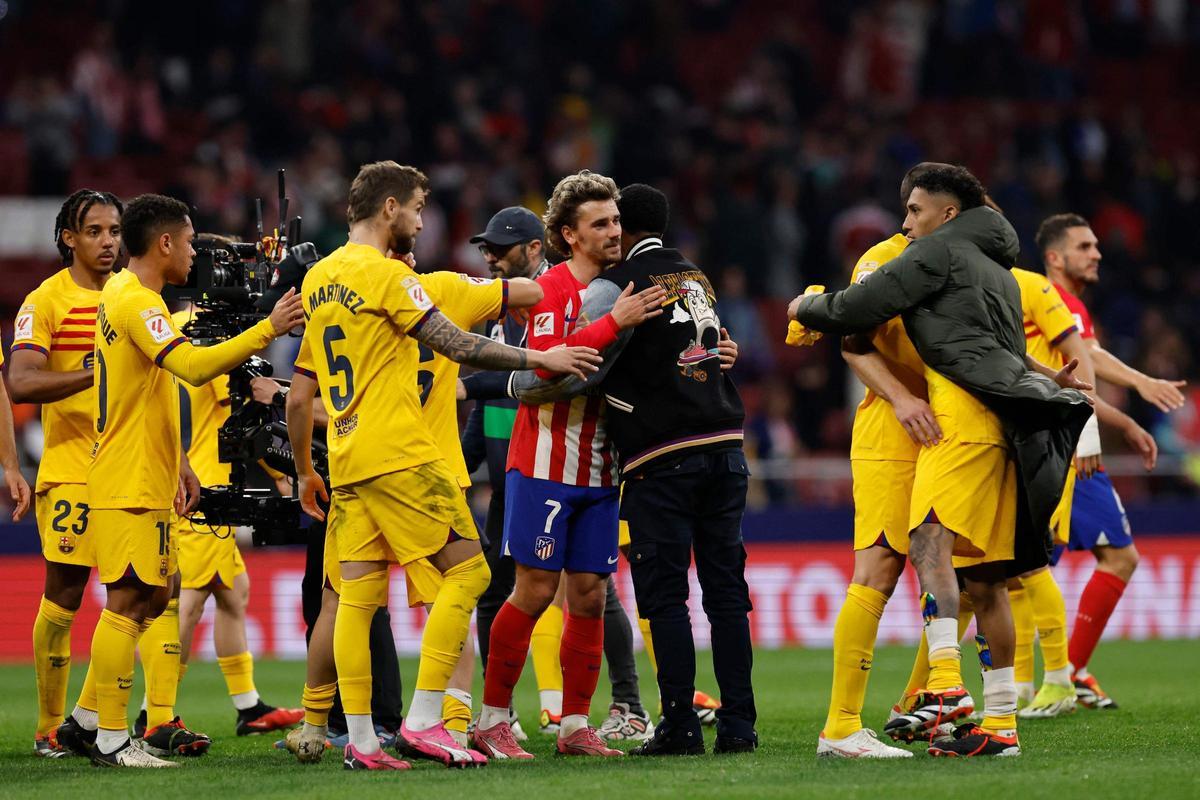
(1097, 516)
(553, 526)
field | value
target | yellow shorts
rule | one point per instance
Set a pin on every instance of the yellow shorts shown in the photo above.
(207, 556)
(399, 517)
(882, 492)
(622, 534)
(63, 519)
(1060, 521)
(133, 542)
(971, 489)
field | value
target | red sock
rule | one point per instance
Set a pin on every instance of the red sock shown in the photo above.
(1096, 605)
(581, 650)
(509, 645)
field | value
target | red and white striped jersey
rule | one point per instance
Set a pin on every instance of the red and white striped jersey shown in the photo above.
(564, 441)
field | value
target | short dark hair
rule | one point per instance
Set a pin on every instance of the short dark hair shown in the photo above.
(953, 180)
(1054, 228)
(378, 181)
(644, 209)
(71, 215)
(145, 219)
(906, 184)
(569, 194)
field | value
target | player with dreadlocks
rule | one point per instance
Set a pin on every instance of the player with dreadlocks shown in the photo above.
(51, 364)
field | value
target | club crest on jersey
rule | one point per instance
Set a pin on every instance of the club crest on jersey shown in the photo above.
(23, 327)
(543, 547)
(543, 324)
(162, 568)
(66, 545)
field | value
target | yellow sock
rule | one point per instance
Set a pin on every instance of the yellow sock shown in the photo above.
(449, 623)
(853, 649)
(238, 672)
(648, 642)
(351, 633)
(999, 723)
(160, 651)
(113, 646)
(456, 710)
(1050, 617)
(52, 663)
(87, 695)
(544, 645)
(317, 700)
(183, 668)
(918, 679)
(1022, 614)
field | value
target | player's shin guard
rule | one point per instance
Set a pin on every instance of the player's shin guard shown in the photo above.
(945, 658)
(52, 663)
(581, 653)
(1050, 618)
(544, 644)
(648, 642)
(160, 649)
(113, 646)
(918, 679)
(1023, 628)
(853, 650)
(351, 634)
(1096, 605)
(317, 700)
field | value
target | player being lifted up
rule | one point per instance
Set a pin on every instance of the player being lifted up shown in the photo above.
(394, 497)
(561, 502)
(135, 476)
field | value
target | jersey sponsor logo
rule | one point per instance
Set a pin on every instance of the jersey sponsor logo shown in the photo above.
(23, 327)
(543, 324)
(543, 547)
(160, 329)
(416, 293)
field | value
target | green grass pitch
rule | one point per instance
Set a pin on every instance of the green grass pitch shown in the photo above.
(1148, 749)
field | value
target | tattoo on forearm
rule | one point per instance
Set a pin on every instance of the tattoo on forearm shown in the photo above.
(454, 343)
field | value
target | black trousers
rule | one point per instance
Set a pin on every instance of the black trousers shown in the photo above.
(694, 504)
(387, 705)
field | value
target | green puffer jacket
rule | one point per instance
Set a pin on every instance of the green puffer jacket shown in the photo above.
(962, 309)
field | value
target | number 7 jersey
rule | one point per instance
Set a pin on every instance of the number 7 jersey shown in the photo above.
(361, 309)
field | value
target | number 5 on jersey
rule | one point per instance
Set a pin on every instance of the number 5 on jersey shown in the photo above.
(338, 365)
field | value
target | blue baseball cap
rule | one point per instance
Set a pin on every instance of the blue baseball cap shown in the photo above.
(510, 226)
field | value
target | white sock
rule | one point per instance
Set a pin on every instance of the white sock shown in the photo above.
(1026, 691)
(244, 700)
(551, 701)
(88, 720)
(999, 692)
(143, 702)
(1082, 673)
(461, 696)
(425, 711)
(490, 716)
(362, 733)
(315, 730)
(942, 634)
(110, 741)
(572, 723)
(1059, 677)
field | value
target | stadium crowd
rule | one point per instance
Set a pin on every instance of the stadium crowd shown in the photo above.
(780, 155)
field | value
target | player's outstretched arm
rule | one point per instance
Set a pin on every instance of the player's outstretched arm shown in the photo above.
(18, 489)
(300, 430)
(872, 369)
(443, 336)
(1162, 393)
(32, 382)
(199, 365)
(524, 293)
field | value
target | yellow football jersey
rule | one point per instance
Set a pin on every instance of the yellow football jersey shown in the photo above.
(58, 320)
(359, 307)
(877, 434)
(1047, 318)
(203, 410)
(466, 301)
(135, 460)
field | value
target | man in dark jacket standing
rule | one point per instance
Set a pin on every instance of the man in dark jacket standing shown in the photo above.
(962, 309)
(676, 418)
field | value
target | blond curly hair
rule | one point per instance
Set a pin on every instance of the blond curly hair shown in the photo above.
(570, 193)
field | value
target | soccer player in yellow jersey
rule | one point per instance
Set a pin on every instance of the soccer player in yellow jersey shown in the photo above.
(394, 497)
(134, 478)
(51, 364)
(210, 564)
(891, 424)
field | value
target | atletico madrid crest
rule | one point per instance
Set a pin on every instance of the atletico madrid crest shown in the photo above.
(543, 547)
